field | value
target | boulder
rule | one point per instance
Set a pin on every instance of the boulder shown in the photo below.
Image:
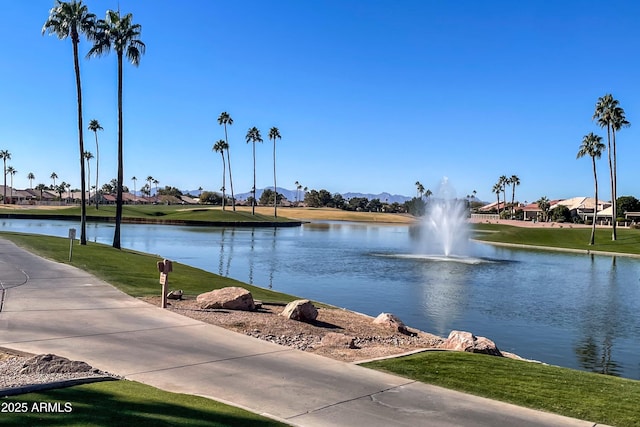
(301, 309)
(391, 321)
(335, 339)
(52, 364)
(175, 294)
(232, 298)
(466, 341)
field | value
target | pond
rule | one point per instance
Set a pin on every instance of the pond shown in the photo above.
(571, 310)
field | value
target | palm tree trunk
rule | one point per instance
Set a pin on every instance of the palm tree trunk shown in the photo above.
(613, 189)
(4, 187)
(116, 234)
(233, 197)
(595, 209)
(253, 202)
(275, 186)
(614, 211)
(97, 166)
(224, 173)
(83, 207)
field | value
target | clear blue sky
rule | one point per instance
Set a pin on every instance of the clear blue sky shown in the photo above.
(369, 96)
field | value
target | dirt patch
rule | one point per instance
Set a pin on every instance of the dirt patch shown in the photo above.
(371, 340)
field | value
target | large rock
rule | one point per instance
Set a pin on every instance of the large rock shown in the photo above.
(232, 298)
(301, 309)
(392, 322)
(52, 364)
(335, 339)
(466, 341)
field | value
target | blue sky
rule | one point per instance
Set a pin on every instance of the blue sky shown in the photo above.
(369, 96)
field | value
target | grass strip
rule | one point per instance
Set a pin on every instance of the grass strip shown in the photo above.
(124, 403)
(628, 240)
(583, 395)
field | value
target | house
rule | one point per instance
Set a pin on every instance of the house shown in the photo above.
(492, 207)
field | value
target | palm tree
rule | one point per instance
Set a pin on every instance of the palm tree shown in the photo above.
(156, 182)
(68, 187)
(298, 187)
(54, 176)
(41, 188)
(253, 136)
(544, 205)
(70, 19)
(428, 193)
(5, 155)
(88, 156)
(612, 116)
(513, 181)
(419, 189)
(11, 171)
(274, 133)
(219, 147)
(94, 126)
(149, 181)
(134, 179)
(504, 181)
(497, 189)
(593, 147)
(31, 177)
(225, 119)
(121, 34)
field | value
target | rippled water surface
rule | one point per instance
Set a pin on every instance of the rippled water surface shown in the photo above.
(565, 309)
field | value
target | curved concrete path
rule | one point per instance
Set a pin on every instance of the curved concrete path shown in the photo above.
(54, 308)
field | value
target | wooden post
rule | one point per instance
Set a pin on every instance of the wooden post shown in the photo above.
(164, 267)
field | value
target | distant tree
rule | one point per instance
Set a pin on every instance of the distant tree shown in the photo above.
(267, 197)
(170, 191)
(339, 201)
(593, 147)
(210, 198)
(312, 199)
(94, 126)
(146, 190)
(60, 188)
(544, 205)
(5, 155)
(497, 189)
(53, 176)
(626, 204)
(419, 189)
(560, 213)
(428, 193)
(274, 133)
(253, 136)
(357, 204)
(326, 199)
(134, 179)
(31, 177)
(11, 171)
(514, 181)
(88, 156)
(220, 147)
(41, 188)
(149, 182)
(415, 206)
(225, 119)
(504, 181)
(156, 182)
(374, 205)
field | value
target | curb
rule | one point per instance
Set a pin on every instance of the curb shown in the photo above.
(14, 391)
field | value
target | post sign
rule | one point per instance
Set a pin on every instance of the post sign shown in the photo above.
(164, 267)
(72, 235)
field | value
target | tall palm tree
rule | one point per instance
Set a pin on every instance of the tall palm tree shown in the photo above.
(497, 189)
(123, 36)
(592, 146)
(41, 188)
(225, 119)
(70, 19)
(88, 156)
(134, 179)
(11, 171)
(298, 187)
(53, 176)
(149, 182)
(31, 177)
(5, 155)
(504, 181)
(274, 133)
(610, 115)
(94, 126)
(544, 205)
(253, 136)
(156, 182)
(219, 147)
(513, 181)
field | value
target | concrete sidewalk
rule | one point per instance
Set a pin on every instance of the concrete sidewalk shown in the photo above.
(54, 308)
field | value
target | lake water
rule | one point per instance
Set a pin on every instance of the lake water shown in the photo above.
(571, 310)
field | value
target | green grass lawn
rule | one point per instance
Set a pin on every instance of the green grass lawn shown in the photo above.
(584, 395)
(128, 403)
(154, 212)
(628, 240)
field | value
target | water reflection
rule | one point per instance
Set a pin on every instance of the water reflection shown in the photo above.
(600, 321)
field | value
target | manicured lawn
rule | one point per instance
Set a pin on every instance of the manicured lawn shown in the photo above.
(628, 240)
(127, 403)
(588, 396)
